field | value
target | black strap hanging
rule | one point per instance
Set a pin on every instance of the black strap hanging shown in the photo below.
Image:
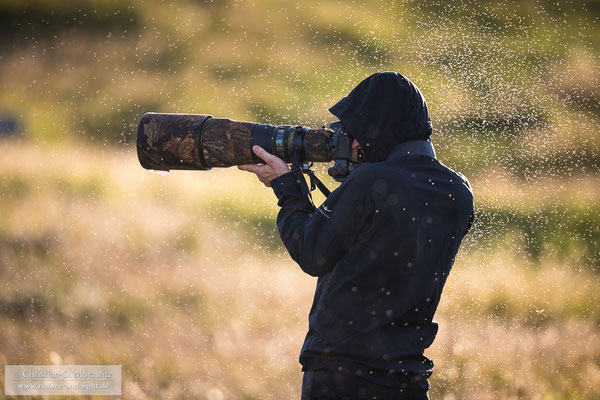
(314, 180)
(298, 170)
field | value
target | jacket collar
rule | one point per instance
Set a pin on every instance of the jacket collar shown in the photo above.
(413, 148)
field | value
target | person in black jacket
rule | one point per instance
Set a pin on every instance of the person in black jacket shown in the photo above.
(381, 245)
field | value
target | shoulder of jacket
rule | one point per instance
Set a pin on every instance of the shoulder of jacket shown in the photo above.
(360, 175)
(459, 175)
(464, 179)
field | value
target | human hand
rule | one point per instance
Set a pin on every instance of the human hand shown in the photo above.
(273, 168)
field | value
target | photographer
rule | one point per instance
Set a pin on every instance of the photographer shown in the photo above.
(381, 245)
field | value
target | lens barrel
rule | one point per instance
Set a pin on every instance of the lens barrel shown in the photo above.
(201, 142)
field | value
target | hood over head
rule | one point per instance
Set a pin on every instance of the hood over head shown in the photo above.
(384, 110)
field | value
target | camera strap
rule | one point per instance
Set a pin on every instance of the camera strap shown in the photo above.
(298, 170)
(315, 181)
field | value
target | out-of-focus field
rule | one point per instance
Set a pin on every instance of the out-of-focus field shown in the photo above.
(182, 279)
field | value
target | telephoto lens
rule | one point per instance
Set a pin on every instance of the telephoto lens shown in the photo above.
(201, 142)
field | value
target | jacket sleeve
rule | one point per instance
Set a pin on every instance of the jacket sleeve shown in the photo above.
(318, 238)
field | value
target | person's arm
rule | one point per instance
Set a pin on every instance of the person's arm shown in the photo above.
(318, 238)
(315, 238)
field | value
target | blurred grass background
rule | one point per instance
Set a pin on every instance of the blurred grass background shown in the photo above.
(182, 278)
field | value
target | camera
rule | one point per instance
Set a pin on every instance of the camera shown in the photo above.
(201, 142)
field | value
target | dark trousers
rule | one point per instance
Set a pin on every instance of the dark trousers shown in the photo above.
(327, 385)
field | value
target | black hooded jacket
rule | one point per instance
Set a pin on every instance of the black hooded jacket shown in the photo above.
(381, 245)
(383, 110)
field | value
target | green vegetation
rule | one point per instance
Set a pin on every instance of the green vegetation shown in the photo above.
(182, 278)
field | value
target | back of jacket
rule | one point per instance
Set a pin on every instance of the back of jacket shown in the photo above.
(382, 246)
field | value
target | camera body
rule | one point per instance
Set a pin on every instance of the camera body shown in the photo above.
(346, 158)
(201, 142)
